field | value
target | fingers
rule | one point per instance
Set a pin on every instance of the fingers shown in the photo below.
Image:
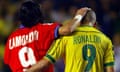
(85, 8)
(83, 11)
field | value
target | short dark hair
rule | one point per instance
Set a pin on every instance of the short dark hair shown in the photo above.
(90, 16)
(30, 14)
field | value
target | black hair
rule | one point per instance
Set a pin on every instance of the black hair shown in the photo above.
(30, 14)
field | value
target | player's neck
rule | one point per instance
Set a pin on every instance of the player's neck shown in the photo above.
(87, 24)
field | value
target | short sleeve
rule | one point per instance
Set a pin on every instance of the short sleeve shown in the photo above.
(56, 51)
(109, 55)
(52, 28)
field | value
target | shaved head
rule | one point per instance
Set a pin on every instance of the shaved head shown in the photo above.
(90, 17)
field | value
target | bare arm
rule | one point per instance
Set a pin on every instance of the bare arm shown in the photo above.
(41, 65)
(66, 29)
(109, 69)
(75, 22)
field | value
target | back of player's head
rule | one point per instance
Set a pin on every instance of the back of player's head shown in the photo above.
(90, 17)
(30, 14)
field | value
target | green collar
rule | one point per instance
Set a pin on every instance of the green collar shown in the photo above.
(87, 28)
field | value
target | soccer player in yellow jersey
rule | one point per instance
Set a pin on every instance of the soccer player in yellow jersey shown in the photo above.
(86, 50)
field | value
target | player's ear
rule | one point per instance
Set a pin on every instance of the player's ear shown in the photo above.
(95, 24)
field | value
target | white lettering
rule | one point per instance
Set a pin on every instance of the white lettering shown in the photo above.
(31, 37)
(10, 44)
(23, 39)
(36, 35)
(18, 41)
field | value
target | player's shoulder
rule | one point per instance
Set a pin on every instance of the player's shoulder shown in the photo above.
(18, 31)
(105, 37)
(49, 24)
(66, 38)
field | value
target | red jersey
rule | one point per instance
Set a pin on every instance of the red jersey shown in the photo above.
(26, 46)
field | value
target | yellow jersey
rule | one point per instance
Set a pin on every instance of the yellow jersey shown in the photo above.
(86, 50)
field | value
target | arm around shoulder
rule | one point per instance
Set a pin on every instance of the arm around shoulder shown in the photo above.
(75, 22)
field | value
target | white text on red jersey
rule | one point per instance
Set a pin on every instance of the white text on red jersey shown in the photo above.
(22, 40)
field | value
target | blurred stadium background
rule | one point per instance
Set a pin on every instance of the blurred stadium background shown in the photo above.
(108, 18)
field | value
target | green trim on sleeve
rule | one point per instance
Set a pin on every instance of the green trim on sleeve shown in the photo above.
(50, 58)
(109, 64)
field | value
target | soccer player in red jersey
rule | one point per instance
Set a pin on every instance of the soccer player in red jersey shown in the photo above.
(30, 43)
